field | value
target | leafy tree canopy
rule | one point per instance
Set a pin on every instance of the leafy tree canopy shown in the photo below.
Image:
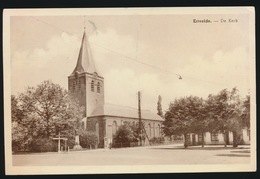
(43, 112)
(222, 112)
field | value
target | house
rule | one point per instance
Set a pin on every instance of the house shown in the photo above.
(219, 138)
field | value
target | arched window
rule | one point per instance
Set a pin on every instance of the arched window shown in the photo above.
(153, 130)
(74, 86)
(97, 130)
(83, 125)
(79, 83)
(149, 130)
(159, 130)
(92, 85)
(98, 87)
(114, 128)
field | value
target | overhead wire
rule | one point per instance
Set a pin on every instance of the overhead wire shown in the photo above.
(56, 27)
(152, 66)
(128, 57)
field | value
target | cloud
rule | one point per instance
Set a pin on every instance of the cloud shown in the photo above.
(122, 86)
(201, 77)
(30, 67)
(57, 59)
(124, 77)
(222, 70)
(109, 50)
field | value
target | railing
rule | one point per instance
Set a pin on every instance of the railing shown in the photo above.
(136, 144)
(124, 144)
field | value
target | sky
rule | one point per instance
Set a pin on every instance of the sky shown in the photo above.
(135, 53)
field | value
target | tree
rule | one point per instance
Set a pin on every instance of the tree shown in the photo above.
(224, 111)
(24, 132)
(217, 114)
(126, 133)
(200, 118)
(181, 116)
(159, 106)
(45, 111)
(234, 122)
(246, 112)
(19, 139)
(87, 139)
(17, 114)
(46, 101)
(72, 116)
(220, 113)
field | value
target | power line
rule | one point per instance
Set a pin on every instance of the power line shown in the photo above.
(56, 27)
(133, 59)
(128, 57)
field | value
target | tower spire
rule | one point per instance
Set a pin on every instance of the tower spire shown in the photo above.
(85, 62)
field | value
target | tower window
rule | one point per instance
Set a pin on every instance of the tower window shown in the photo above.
(74, 85)
(92, 85)
(98, 87)
(79, 83)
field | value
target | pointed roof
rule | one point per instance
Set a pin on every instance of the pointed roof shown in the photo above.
(85, 62)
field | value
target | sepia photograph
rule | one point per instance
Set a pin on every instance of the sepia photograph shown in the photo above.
(129, 90)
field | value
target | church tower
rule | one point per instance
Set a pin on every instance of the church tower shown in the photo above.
(84, 82)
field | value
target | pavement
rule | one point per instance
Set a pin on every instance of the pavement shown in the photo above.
(149, 155)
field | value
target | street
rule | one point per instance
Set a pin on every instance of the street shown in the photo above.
(150, 155)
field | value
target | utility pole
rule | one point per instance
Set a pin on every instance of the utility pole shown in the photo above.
(139, 116)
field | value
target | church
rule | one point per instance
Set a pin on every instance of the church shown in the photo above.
(99, 117)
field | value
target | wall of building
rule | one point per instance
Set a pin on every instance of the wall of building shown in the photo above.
(246, 136)
(111, 128)
(97, 125)
(94, 98)
(80, 86)
(219, 138)
(77, 86)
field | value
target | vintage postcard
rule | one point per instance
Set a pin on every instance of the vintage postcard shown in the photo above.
(129, 90)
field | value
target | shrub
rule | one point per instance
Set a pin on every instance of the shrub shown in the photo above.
(43, 145)
(70, 135)
(20, 140)
(157, 140)
(125, 134)
(16, 146)
(71, 142)
(87, 139)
